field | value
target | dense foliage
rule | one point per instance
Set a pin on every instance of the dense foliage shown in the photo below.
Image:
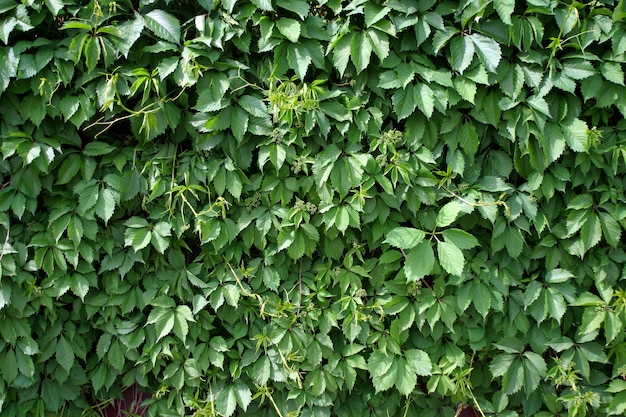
(313, 208)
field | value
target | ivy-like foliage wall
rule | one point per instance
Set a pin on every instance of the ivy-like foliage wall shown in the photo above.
(313, 208)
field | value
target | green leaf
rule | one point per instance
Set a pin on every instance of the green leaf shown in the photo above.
(383, 370)
(404, 237)
(535, 370)
(448, 213)
(263, 4)
(419, 261)
(239, 123)
(299, 58)
(341, 53)
(424, 97)
(576, 135)
(617, 405)
(451, 258)
(98, 148)
(289, 28)
(379, 43)
(591, 232)
(488, 51)
(360, 51)
(164, 323)
(137, 238)
(578, 69)
(613, 72)
(79, 285)
(5, 295)
(460, 238)
(8, 368)
(610, 229)
(482, 299)
(243, 393)
(462, 50)
(64, 353)
(419, 361)
(404, 103)
(226, 400)
(163, 24)
(69, 168)
(299, 7)
(253, 105)
(105, 206)
(558, 275)
(374, 13)
(505, 9)
(9, 63)
(91, 51)
(406, 380)
(514, 242)
(55, 6)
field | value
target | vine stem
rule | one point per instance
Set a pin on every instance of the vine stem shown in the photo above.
(479, 204)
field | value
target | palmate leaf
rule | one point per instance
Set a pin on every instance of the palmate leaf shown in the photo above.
(525, 371)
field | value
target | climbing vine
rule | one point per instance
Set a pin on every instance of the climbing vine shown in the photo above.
(312, 207)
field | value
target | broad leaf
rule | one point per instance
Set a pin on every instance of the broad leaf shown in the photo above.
(451, 258)
(404, 237)
(488, 51)
(289, 28)
(462, 50)
(163, 24)
(419, 261)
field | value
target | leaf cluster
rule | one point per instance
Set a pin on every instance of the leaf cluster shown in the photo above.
(313, 207)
